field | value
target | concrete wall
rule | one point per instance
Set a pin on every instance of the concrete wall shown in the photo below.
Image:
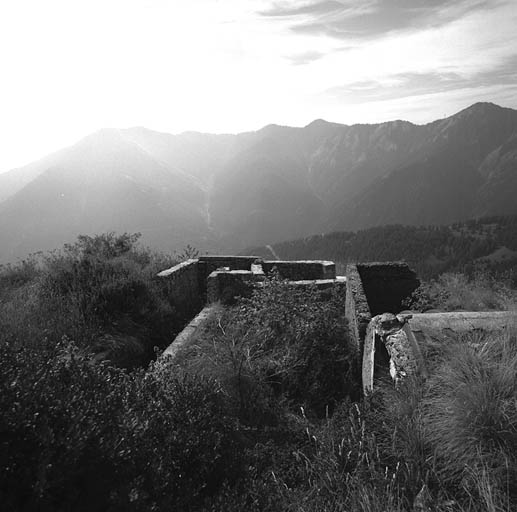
(357, 310)
(182, 287)
(302, 270)
(188, 335)
(225, 286)
(386, 285)
(207, 264)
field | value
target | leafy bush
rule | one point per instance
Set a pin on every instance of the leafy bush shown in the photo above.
(100, 288)
(76, 435)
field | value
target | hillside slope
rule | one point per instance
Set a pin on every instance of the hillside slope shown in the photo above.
(278, 183)
(430, 250)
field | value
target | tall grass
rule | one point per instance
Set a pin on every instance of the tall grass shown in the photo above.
(282, 345)
(471, 416)
(453, 292)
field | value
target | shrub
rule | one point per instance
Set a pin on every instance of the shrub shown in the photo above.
(82, 436)
(283, 345)
(100, 288)
(452, 292)
(13, 276)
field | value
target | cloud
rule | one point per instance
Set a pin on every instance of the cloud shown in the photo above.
(371, 18)
(410, 84)
(305, 57)
(288, 9)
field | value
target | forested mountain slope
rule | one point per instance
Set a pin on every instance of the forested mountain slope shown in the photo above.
(430, 250)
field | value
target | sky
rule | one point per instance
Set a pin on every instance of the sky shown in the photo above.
(71, 67)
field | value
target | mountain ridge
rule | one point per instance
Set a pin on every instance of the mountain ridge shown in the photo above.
(269, 185)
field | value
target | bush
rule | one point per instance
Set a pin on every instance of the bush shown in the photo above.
(452, 292)
(100, 288)
(283, 345)
(82, 436)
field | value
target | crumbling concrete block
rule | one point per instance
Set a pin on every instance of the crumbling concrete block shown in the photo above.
(405, 357)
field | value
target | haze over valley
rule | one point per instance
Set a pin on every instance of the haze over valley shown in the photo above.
(229, 192)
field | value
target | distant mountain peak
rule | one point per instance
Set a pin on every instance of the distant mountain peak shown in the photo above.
(317, 122)
(479, 108)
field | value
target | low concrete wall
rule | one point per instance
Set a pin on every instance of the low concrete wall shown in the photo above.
(226, 285)
(321, 284)
(189, 334)
(302, 270)
(440, 326)
(182, 284)
(207, 264)
(357, 310)
(386, 285)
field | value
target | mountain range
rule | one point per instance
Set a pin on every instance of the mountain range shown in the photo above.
(228, 192)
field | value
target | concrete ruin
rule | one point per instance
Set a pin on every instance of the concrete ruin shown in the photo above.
(387, 341)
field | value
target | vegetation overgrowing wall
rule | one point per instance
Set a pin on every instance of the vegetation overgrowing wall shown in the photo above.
(188, 282)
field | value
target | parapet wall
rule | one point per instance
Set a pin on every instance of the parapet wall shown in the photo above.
(188, 283)
(301, 270)
(357, 310)
(370, 288)
(207, 264)
(183, 288)
(225, 286)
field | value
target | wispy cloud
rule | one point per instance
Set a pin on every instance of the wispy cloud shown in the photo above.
(372, 18)
(305, 57)
(283, 9)
(410, 84)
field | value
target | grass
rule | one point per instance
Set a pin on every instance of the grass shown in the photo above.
(458, 292)
(283, 345)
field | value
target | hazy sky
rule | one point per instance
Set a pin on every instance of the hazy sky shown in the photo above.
(70, 67)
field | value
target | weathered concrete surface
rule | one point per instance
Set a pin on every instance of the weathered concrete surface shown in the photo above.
(226, 285)
(392, 334)
(188, 335)
(182, 283)
(302, 270)
(357, 311)
(463, 321)
(320, 284)
(406, 338)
